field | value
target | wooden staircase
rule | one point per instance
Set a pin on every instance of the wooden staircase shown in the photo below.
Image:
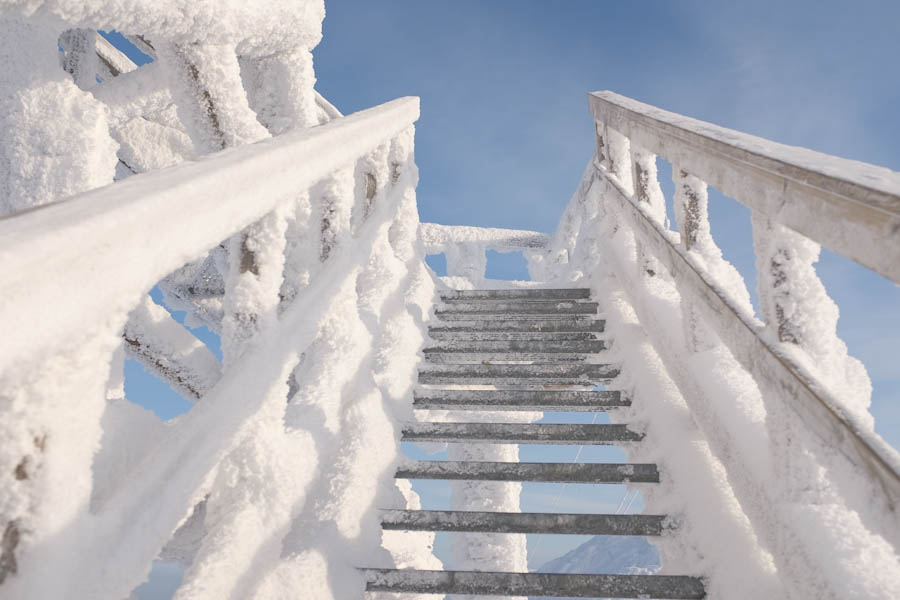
(528, 344)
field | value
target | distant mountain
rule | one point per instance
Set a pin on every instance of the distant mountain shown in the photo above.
(607, 554)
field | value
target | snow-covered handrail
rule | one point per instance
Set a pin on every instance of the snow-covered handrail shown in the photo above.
(815, 446)
(321, 253)
(226, 193)
(850, 207)
(464, 247)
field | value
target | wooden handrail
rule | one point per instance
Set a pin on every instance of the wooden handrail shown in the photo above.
(849, 207)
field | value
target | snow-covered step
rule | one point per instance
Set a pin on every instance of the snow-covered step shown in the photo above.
(523, 294)
(520, 433)
(528, 400)
(558, 585)
(506, 374)
(556, 307)
(592, 473)
(441, 335)
(502, 522)
(480, 324)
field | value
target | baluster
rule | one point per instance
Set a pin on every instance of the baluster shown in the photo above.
(301, 250)
(600, 131)
(404, 231)
(692, 217)
(372, 175)
(618, 161)
(799, 314)
(650, 198)
(208, 91)
(253, 282)
(797, 310)
(334, 208)
(280, 89)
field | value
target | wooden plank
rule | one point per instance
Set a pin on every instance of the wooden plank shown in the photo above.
(501, 522)
(562, 585)
(520, 433)
(592, 473)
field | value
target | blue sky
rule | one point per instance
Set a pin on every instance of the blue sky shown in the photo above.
(504, 132)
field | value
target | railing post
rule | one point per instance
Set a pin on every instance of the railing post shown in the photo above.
(692, 217)
(280, 89)
(253, 283)
(208, 91)
(650, 198)
(618, 161)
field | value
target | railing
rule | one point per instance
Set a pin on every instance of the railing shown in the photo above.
(331, 211)
(465, 247)
(795, 438)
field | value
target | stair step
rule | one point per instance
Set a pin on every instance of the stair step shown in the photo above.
(528, 293)
(524, 346)
(449, 316)
(516, 350)
(569, 324)
(520, 433)
(593, 473)
(559, 585)
(554, 307)
(512, 336)
(444, 358)
(504, 374)
(549, 400)
(501, 522)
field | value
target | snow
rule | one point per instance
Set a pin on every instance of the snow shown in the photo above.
(607, 554)
(850, 207)
(761, 502)
(232, 447)
(294, 233)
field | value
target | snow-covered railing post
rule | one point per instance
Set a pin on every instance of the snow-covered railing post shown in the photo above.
(780, 404)
(62, 508)
(690, 202)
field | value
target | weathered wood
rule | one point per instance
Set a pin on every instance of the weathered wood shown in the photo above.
(499, 522)
(516, 294)
(593, 473)
(520, 433)
(549, 400)
(814, 406)
(534, 584)
(799, 188)
(515, 307)
(536, 374)
(462, 337)
(574, 324)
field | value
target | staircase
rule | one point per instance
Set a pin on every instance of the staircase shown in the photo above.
(533, 347)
